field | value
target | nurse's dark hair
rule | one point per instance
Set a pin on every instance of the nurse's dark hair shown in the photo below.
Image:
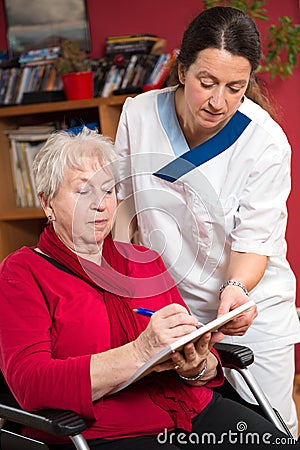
(223, 28)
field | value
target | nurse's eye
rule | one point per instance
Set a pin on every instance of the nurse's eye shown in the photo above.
(206, 84)
(234, 89)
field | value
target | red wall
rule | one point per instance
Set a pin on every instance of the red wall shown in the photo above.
(168, 19)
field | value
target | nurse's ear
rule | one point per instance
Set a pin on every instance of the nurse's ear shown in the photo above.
(181, 73)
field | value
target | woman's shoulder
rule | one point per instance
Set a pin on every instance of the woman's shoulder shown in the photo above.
(17, 261)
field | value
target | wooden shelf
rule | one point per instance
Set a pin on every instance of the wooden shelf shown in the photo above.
(22, 214)
(39, 108)
(21, 226)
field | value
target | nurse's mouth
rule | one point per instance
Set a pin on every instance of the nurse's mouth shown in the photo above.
(213, 114)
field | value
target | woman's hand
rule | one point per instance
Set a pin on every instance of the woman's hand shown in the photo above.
(166, 326)
(109, 369)
(194, 358)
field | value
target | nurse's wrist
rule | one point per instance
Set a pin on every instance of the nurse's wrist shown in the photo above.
(233, 283)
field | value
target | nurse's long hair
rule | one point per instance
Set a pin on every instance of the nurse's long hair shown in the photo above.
(224, 28)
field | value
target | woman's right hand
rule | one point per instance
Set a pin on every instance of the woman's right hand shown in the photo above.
(166, 326)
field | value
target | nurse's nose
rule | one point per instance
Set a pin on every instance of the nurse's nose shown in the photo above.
(217, 99)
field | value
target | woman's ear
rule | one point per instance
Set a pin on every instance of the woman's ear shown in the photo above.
(46, 207)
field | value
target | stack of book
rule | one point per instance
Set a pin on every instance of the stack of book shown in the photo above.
(134, 43)
(25, 142)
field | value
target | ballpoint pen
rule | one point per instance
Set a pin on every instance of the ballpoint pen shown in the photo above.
(150, 312)
(144, 312)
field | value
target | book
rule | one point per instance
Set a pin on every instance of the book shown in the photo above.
(139, 43)
(30, 151)
(43, 54)
(164, 70)
(164, 354)
(20, 146)
(17, 176)
(13, 75)
(23, 84)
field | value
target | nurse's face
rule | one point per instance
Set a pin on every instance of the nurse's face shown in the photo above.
(214, 86)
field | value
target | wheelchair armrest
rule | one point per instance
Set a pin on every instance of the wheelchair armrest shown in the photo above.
(57, 422)
(234, 356)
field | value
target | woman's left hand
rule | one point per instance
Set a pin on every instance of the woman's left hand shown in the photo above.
(193, 358)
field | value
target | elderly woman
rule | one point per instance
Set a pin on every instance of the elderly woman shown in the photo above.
(69, 335)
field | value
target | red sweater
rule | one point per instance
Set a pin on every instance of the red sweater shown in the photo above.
(51, 322)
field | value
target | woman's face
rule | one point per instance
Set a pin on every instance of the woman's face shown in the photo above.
(214, 86)
(83, 208)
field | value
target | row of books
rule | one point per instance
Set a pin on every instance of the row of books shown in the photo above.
(25, 142)
(16, 81)
(132, 64)
(138, 73)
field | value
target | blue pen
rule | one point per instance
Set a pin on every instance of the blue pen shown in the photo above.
(149, 313)
(144, 312)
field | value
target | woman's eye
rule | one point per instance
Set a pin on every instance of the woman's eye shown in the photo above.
(83, 190)
(108, 189)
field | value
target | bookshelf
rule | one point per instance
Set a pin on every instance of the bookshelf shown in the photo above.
(21, 226)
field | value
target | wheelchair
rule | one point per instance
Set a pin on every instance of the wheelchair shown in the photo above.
(67, 423)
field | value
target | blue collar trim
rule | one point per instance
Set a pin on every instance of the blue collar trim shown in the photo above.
(204, 152)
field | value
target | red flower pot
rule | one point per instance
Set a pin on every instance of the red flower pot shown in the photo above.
(78, 85)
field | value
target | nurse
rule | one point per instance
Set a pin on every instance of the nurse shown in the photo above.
(205, 178)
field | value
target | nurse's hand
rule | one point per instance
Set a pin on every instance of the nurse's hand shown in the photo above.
(231, 298)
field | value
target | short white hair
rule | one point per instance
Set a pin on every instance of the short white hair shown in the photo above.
(65, 150)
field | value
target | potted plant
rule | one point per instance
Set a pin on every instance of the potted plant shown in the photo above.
(282, 42)
(73, 67)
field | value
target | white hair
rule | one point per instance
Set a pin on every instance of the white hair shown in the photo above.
(64, 150)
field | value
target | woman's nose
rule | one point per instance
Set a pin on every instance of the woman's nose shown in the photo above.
(98, 203)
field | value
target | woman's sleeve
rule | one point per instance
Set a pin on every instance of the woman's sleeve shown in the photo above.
(219, 379)
(36, 379)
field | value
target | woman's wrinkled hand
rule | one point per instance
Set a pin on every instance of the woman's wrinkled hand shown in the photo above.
(166, 326)
(193, 358)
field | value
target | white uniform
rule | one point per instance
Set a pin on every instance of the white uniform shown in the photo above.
(194, 214)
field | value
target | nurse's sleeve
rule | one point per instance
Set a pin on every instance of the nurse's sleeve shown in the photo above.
(123, 150)
(260, 221)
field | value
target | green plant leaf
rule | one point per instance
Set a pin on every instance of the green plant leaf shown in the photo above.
(282, 42)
